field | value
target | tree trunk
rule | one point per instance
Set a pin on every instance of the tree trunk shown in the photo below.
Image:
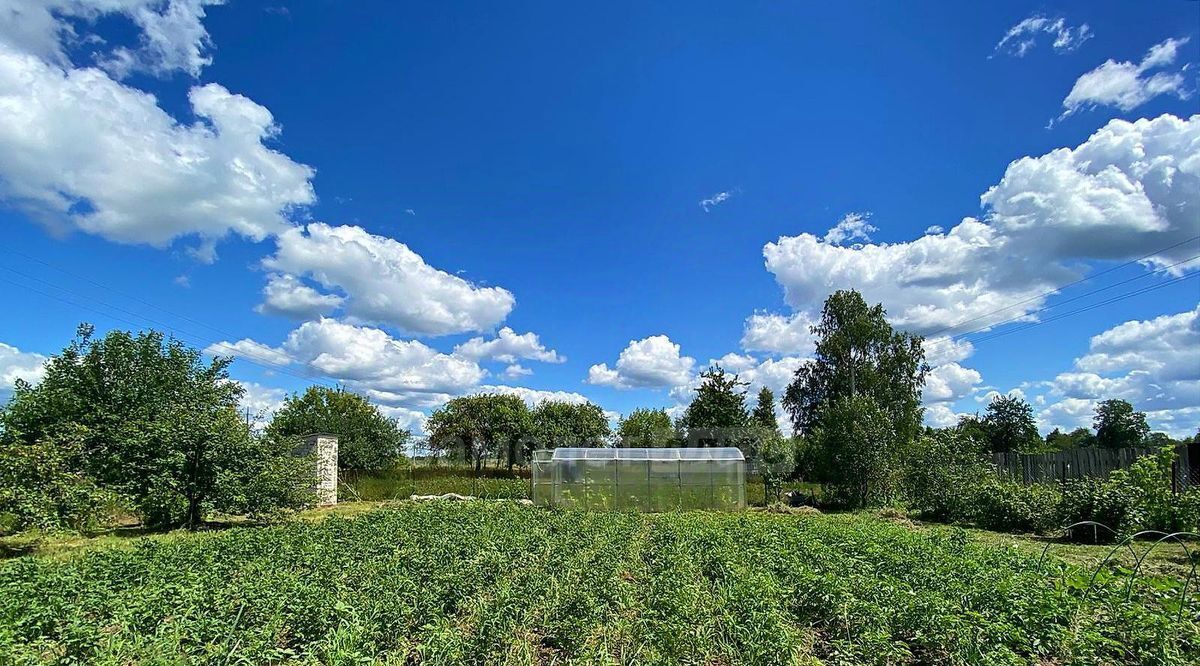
(195, 517)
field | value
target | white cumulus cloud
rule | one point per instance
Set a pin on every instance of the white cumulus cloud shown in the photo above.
(1126, 85)
(76, 148)
(853, 226)
(534, 397)
(652, 362)
(780, 334)
(950, 382)
(1130, 190)
(1154, 364)
(516, 370)
(385, 282)
(288, 296)
(171, 35)
(507, 347)
(16, 364)
(261, 402)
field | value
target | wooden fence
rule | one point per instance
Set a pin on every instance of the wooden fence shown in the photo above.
(1095, 462)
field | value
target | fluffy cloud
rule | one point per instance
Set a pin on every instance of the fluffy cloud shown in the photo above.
(1132, 188)
(288, 296)
(652, 362)
(779, 334)
(16, 364)
(364, 358)
(945, 349)
(75, 145)
(255, 352)
(947, 381)
(261, 401)
(1167, 347)
(1023, 36)
(516, 370)
(385, 282)
(172, 38)
(1154, 364)
(941, 415)
(410, 419)
(370, 357)
(950, 382)
(507, 347)
(1068, 414)
(853, 226)
(534, 397)
(1126, 85)
(171, 33)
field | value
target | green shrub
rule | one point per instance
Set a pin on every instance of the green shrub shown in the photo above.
(39, 489)
(1136, 498)
(943, 475)
(1002, 505)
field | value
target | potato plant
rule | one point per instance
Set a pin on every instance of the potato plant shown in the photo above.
(493, 583)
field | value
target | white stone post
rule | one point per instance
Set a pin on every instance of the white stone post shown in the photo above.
(326, 447)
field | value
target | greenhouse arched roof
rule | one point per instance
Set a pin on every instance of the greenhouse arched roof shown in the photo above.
(684, 453)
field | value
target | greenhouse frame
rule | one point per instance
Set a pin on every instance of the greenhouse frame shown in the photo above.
(644, 479)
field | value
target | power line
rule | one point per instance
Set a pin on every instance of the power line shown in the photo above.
(1061, 287)
(188, 336)
(1093, 292)
(1093, 306)
(117, 292)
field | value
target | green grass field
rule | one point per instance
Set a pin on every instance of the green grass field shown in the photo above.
(491, 582)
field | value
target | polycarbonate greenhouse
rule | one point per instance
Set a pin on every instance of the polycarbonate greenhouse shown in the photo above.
(644, 479)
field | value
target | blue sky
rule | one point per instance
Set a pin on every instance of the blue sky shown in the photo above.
(354, 192)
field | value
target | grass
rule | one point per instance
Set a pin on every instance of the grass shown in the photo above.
(491, 582)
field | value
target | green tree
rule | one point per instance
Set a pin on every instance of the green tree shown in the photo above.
(556, 423)
(1009, 425)
(1058, 440)
(860, 362)
(764, 410)
(144, 417)
(717, 415)
(859, 354)
(646, 428)
(42, 487)
(776, 461)
(1118, 425)
(479, 426)
(858, 452)
(367, 440)
(944, 471)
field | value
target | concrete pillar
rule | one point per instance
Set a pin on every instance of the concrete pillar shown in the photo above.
(325, 445)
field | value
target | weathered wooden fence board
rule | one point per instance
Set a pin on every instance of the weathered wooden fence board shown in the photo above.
(1092, 462)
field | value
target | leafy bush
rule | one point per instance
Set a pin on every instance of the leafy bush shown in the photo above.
(1132, 499)
(40, 490)
(366, 438)
(1007, 506)
(947, 479)
(857, 452)
(776, 461)
(943, 475)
